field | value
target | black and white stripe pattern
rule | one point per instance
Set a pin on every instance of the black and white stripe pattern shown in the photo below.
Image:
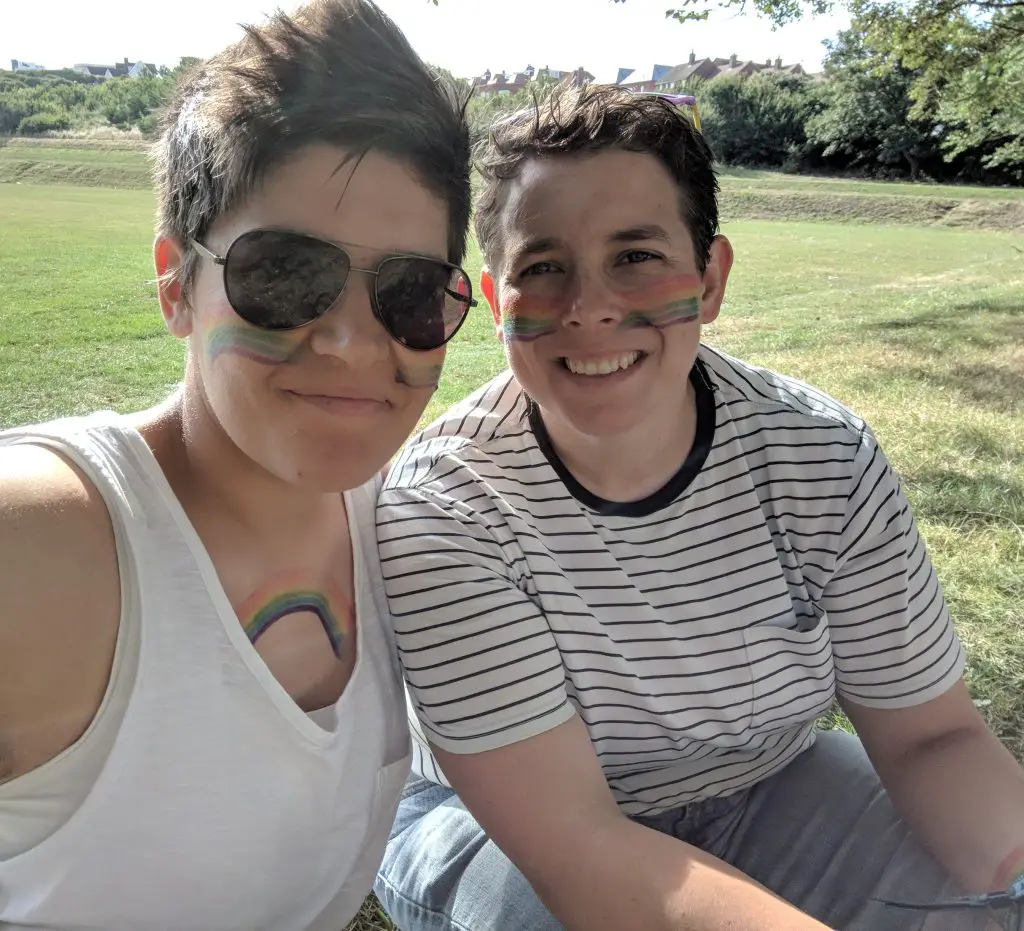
(698, 636)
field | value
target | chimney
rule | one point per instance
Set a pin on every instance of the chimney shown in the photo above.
(693, 58)
(126, 64)
(732, 60)
(778, 64)
(767, 62)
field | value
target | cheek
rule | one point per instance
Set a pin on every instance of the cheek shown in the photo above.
(525, 318)
(230, 338)
(671, 300)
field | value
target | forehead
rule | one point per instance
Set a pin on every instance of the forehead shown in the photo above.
(577, 198)
(375, 201)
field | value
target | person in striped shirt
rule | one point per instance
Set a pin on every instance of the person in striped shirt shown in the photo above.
(629, 574)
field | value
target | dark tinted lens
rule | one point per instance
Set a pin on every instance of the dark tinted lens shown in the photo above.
(277, 280)
(422, 302)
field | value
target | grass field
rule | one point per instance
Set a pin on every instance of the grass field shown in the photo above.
(919, 329)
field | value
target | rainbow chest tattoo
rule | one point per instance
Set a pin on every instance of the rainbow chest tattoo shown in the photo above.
(275, 602)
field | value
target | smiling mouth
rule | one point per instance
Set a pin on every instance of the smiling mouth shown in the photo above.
(607, 366)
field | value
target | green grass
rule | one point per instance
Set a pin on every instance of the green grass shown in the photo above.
(752, 179)
(113, 158)
(920, 330)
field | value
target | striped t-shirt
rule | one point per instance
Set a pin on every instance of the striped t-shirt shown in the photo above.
(699, 632)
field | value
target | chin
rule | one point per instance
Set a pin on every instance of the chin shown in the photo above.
(329, 469)
(326, 478)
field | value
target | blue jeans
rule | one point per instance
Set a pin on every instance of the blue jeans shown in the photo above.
(821, 834)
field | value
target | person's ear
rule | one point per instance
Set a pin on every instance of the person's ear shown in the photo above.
(489, 289)
(167, 256)
(715, 277)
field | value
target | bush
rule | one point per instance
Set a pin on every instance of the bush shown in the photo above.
(148, 124)
(758, 121)
(39, 123)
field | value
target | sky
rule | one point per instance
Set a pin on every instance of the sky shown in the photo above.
(465, 36)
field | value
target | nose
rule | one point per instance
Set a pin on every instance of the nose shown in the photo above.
(592, 302)
(349, 331)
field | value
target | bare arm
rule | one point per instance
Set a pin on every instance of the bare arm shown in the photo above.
(60, 605)
(958, 788)
(546, 803)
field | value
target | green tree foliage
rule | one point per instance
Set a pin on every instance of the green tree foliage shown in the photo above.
(38, 102)
(760, 120)
(867, 111)
(966, 59)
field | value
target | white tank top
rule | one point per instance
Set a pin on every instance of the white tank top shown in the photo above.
(202, 796)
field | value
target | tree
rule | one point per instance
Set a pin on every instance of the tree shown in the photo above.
(758, 120)
(969, 65)
(867, 113)
(966, 58)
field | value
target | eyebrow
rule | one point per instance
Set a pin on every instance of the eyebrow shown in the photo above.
(536, 246)
(638, 233)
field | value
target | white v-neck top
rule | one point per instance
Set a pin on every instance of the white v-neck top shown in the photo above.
(202, 796)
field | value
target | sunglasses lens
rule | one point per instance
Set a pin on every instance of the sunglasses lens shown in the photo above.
(422, 302)
(278, 280)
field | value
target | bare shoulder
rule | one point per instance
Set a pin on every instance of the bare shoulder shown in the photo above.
(60, 605)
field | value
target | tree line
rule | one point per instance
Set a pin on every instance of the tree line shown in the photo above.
(34, 103)
(876, 112)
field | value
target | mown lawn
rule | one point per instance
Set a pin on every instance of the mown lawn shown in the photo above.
(920, 330)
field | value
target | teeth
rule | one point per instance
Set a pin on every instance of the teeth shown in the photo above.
(604, 366)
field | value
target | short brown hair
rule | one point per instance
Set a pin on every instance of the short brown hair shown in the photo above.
(586, 120)
(336, 71)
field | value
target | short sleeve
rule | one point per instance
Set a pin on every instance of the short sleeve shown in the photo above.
(481, 664)
(892, 637)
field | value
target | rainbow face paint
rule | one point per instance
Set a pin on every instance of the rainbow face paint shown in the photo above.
(262, 610)
(671, 300)
(524, 319)
(419, 376)
(263, 347)
(518, 328)
(683, 311)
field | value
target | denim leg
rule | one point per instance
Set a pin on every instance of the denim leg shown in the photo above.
(442, 873)
(823, 835)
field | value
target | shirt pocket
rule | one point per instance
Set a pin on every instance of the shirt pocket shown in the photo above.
(387, 792)
(792, 673)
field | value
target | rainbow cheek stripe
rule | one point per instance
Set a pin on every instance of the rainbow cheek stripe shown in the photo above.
(298, 602)
(517, 328)
(682, 311)
(419, 376)
(675, 299)
(260, 346)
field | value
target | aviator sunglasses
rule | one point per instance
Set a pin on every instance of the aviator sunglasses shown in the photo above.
(281, 280)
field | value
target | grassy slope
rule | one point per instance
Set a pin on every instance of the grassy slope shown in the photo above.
(746, 194)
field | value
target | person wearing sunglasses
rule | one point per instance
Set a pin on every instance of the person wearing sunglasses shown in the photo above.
(629, 575)
(202, 721)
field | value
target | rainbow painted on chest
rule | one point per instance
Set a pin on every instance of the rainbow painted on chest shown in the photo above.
(277, 600)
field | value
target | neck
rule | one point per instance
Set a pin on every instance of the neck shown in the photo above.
(226, 493)
(610, 467)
